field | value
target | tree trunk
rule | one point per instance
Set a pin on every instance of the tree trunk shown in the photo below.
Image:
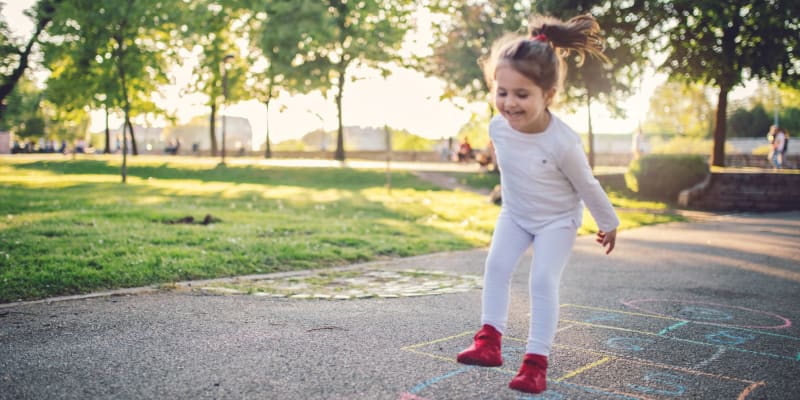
(11, 80)
(591, 131)
(124, 169)
(268, 151)
(126, 105)
(212, 131)
(718, 155)
(134, 148)
(340, 133)
(107, 131)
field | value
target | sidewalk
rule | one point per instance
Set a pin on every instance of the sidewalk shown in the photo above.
(688, 310)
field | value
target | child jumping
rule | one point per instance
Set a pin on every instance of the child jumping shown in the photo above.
(545, 180)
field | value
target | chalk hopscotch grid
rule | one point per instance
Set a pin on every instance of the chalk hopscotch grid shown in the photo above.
(412, 394)
(606, 357)
(680, 324)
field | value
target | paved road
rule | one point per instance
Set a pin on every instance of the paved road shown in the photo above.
(705, 310)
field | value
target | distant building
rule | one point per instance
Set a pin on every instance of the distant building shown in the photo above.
(356, 138)
(238, 137)
(148, 139)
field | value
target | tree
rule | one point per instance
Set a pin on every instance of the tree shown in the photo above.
(783, 99)
(22, 109)
(680, 109)
(464, 38)
(123, 46)
(721, 43)
(64, 124)
(367, 32)
(13, 58)
(213, 40)
(274, 47)
(77, 81)
(476, 25)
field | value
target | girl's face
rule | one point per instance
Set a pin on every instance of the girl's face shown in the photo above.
(520, 100)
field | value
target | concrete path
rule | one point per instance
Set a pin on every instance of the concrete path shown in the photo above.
(702, 310)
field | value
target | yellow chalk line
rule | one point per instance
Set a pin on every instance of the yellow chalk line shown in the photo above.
(584, 368)
(653, 364)
(622, 312)
(453, 360)
(430, 355)
(436, 341)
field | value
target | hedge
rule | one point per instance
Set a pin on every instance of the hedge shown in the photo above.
(663, 176)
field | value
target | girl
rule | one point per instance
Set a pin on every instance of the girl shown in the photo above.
(545, 180)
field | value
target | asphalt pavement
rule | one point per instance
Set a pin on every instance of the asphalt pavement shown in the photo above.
(700, 310)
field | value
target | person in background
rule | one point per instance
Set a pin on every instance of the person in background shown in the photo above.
(464, 150)
(777, 138)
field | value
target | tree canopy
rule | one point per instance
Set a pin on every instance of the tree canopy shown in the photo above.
(367, 32)
(465, 36)
(624, 26)
(474, 26)
(14, 57)
(117, 54)
(680, 109)
(721, 43)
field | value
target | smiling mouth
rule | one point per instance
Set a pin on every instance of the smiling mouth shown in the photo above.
(514, 113)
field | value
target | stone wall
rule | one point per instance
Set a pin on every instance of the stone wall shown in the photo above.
(744, 191)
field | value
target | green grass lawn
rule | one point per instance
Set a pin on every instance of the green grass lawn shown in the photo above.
(70, 226)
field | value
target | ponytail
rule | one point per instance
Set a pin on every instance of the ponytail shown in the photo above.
(580, 34)
(540, 55)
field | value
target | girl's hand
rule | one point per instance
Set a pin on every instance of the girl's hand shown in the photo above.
(607, 239)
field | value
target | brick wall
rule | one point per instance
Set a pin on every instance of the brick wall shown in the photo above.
(744, 191)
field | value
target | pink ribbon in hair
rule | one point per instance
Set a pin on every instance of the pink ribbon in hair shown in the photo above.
(541, 37)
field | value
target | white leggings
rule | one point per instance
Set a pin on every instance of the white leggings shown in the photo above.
(551, 251)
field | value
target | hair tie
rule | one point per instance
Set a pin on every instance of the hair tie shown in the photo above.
(541, 37)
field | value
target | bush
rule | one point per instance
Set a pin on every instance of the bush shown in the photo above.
(663, 176)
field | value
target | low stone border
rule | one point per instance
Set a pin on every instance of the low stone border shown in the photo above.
(351, 284)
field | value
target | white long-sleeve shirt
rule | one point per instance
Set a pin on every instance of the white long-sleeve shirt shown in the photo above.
(546, 179)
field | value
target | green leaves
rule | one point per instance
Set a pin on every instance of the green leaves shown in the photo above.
(467, 33)
(722, 43)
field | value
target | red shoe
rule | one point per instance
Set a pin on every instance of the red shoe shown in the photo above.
(532, 376)
(485, 350)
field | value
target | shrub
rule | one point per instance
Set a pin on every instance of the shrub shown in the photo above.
(663, 176)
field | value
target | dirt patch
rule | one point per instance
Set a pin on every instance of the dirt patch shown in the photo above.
(208, 219)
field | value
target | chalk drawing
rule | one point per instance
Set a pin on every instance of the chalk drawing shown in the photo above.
(729, 338)
(628, 343)
(700, 312)
(409, 396)
(584, 368)
(672, 327)
(709, 360)
(662, 383)
(547, 395)
(760, 353)
(658, 379)
(704, 313)
(439, 378)
(596, 317)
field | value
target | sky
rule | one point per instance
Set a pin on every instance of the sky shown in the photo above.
(404, 100)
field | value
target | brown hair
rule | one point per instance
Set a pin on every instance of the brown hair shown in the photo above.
(540, 55)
